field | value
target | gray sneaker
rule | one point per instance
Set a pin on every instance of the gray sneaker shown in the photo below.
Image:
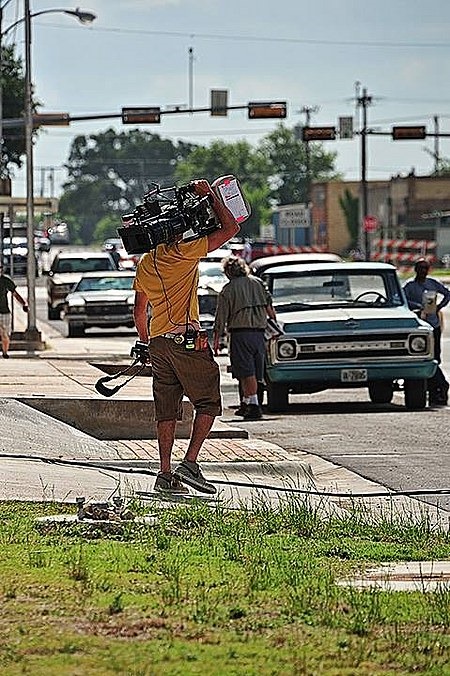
(190, 473)
(167, 483)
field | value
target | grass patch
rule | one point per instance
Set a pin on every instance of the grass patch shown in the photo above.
(218, 592)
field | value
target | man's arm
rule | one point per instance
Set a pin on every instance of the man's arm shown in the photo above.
(21, 300)
(140, 315)
(229, 228)
(445, 293)
(271, 312)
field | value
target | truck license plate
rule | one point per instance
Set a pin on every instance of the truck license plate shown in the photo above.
(353, 375)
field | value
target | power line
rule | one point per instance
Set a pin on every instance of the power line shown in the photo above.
(257, 38)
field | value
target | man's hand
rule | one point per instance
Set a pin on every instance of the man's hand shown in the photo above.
(202, 187)
(216, 344)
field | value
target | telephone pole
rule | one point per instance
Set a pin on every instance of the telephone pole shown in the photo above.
(308, 111)
(363, 101)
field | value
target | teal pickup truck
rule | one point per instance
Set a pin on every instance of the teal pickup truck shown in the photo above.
(345, 325)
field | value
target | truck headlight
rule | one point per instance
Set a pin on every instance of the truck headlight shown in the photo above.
(287, 349)
(418, 344)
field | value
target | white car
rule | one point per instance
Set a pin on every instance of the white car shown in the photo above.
(100, 299)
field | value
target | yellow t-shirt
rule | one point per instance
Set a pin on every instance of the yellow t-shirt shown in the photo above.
(168, 276)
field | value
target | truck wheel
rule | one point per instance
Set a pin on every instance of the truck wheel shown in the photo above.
(53, 313)
(381, 391)
(415, 394)
(75, 330)
(277, 397)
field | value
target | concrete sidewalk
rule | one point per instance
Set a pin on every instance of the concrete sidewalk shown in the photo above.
(47, 455)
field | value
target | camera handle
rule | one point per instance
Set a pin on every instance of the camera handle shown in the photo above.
(108, 392)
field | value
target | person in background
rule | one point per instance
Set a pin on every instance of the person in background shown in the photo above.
(167, 280)
(247, 251)
(7, 286)
(243, 306)
(422, 293)
(115, 255)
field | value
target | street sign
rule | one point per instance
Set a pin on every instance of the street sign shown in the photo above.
(297, 216)
(370, 223)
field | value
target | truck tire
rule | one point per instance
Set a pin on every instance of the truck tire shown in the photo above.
(381, 391)
(277, 397)
(53, 313)
(415, 394)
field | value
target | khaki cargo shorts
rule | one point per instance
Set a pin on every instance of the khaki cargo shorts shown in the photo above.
(178, 372)
(5, 324)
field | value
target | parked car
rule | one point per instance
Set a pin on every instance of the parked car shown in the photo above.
(101, 299)
(15, 256)
(66, 270)
(259, 265)
(346, 325)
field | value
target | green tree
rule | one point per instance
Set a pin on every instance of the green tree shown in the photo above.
(106, 227)
(350, 206)
(287, 157)
(13, 88)
(239, 159)
(109, 173)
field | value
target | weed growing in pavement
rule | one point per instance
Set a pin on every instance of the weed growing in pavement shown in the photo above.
(251, 590)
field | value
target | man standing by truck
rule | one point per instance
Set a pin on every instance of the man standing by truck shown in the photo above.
(422, 293)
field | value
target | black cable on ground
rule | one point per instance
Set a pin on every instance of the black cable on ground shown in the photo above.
(389, 493)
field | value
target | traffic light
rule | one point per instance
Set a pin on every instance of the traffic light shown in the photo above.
(141, 115)
(219, 102)
(346, 127)
(319, 133)
(400, 133)
(55, 119)
(265, 110)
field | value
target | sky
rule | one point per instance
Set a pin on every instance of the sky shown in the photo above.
(315, 55)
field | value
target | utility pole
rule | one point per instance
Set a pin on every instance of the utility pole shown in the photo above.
(437, 159)
(307, 111)
(191, 78)
(363, 101)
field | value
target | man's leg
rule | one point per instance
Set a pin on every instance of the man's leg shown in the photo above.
(249, 386)
(200, 430)
(189, 471)
(165, 431)
(5, 343)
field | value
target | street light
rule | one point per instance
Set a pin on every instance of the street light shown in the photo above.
(84, 18)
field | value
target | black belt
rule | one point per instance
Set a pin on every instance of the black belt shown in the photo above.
(176, 337)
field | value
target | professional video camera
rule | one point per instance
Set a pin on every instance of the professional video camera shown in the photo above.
(164, 215)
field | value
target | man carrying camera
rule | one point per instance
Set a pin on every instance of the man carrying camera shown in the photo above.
(182, 361)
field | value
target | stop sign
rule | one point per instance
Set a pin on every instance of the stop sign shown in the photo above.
(370, 223)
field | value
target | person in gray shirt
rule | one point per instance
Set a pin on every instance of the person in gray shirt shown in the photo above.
(243, 306)
(422, 294)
